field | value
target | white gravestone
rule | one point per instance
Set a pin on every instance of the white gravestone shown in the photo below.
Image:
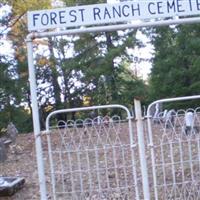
(189, 122)
(12, 132)
(169, 119)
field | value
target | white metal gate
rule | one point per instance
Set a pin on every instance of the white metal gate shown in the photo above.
(102, 158)
(94, 158)
(174, 152)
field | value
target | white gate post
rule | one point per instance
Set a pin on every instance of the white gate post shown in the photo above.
(143, 162)
(36, 122)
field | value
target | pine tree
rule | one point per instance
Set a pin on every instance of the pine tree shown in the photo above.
(176, 62)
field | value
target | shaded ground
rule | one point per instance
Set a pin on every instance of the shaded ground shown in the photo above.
(22, 162)
(178, 164)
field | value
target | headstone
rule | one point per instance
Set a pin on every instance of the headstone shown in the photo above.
(3, 155)
(189, 122)
(169, 120)
(164, 114)
(156, 110)
(156, 113)
(189, 119)
(106, 120)
(92, 114)
(12, 132)
(10, 185)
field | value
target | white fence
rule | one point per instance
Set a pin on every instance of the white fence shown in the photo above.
(107, 157)
(174, 152)
(93, 158)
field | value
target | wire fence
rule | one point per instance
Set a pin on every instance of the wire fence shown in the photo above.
(93, 159)
(174, 155)
(99, 158)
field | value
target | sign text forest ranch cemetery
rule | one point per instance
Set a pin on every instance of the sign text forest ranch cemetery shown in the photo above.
(111, 13)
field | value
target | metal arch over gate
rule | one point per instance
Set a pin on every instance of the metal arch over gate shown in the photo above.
(182, 10)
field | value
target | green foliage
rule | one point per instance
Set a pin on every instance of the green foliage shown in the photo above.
(21, 118)
(99, 68)
(10, 99)
(101, 57)
(14, 88)
(175, 69)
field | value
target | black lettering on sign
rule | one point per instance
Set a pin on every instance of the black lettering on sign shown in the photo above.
(45, 19)
(125, 11)
(179, 6)
(171, 6)
(82, 14)
(106, 14)
(190, 3)
(198, 4)
(53, 17)
(96, 12)
(159, 7)
(62, 17)
(150, 8)
(35, 17)
(72, 13)
(137, 9)
(117, 12)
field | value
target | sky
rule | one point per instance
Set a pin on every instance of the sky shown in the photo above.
(5, 45)
(146, 52)
(143, 68)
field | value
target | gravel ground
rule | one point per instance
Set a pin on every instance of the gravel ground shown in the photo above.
(22, 162)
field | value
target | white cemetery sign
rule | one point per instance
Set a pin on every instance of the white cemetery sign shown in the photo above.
(111, 13)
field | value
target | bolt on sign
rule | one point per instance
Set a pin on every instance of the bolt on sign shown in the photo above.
(97, 14)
